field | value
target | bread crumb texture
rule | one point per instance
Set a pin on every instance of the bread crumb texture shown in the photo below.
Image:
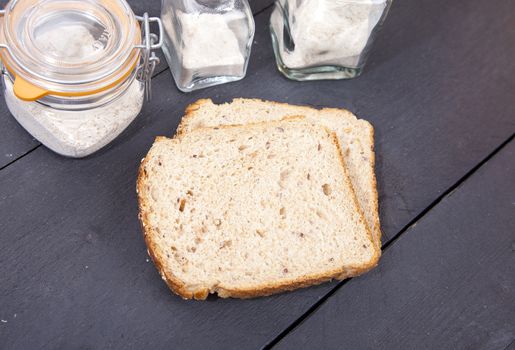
(356, 138)
(245, 211)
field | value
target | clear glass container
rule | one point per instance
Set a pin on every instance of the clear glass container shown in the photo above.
(207, 42)
(325, 39)
(74, 72)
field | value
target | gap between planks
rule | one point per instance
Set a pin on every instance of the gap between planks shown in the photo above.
(385, 247)
(510, 346)
(21, 156)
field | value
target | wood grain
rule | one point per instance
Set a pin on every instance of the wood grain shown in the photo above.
(447, 283)
(438, 88)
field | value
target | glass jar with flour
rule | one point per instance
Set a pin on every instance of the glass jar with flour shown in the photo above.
(75, 72)
(207, 42)
(325, 39)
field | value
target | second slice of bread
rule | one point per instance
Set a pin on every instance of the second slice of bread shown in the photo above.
(245, 211)
(356, 137)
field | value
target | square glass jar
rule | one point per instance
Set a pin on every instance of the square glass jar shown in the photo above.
(207, 42)
(325, 39)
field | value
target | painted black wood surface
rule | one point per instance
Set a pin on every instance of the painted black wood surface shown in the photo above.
(439, 89)
(447, 283)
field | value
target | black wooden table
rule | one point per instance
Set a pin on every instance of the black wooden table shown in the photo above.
(439, 89)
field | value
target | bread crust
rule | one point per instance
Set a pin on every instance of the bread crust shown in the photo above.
(376, 230)
(201, 293)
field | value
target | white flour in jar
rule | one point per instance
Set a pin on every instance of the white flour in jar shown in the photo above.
(207, 45)
(76, 133)
(71, 41)
(330, 32)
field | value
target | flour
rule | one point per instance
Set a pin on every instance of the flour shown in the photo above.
(76, 133)
(329, 32)
(67, 42)
(207, 41)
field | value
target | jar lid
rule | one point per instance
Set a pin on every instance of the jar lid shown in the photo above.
(68, 47)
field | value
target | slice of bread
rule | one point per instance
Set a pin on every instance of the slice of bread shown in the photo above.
(356, 137)
(246, 211)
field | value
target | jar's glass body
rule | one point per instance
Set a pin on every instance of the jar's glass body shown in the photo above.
(77, 127)
(207, 42)
(74, 72)
(325, 39)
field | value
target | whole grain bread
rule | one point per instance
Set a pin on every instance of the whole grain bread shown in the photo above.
(356, 138)
(246, 211)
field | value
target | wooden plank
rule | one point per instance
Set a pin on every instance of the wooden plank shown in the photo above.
(259, 5)
(58, 216)
(447, 283)
(15, 141)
